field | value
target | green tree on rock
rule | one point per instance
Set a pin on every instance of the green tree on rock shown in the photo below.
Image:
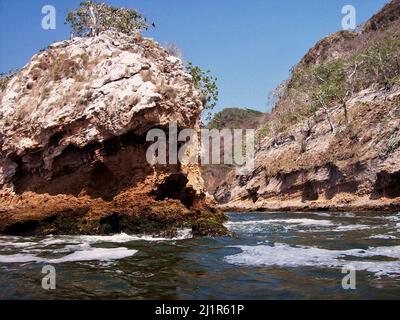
(207, 84)
(91, 18)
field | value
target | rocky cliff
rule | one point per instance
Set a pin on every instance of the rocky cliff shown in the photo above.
(332, 140)
(73, 125)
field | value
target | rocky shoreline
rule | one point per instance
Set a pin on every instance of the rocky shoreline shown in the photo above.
(129, 213)
(389, 207)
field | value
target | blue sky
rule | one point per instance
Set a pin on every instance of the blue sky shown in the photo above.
(249, 45)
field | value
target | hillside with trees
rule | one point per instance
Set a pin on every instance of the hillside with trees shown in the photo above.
(332, 139)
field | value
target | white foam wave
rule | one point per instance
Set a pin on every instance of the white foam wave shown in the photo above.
(322, 214)
(78, 248)
(392, 218)
(124, 238)
(383, 237)
(307, 222)
(92, 254)
(283, 255)
(300, 225)
(54, 241)
(259, 225)
(17, 244)
(96, 254)
(352, 227)
(76, 242)
(335, 214)
(19, 258)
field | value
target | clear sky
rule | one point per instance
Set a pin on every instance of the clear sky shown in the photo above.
(250, 45)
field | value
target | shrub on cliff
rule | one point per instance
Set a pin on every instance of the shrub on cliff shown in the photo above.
(5, 77)
(91, 18)
(207, 84)
(380, 64)
(332, 83)
(329, 86)
(174, 50)
(337, 68)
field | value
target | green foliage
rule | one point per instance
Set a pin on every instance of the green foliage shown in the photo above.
(381, 63)
(330, 82)
(331, 78)
(91, 18)
(235, 118)
(310, 88)
(326, 81)
(263, 132)
(207, 85)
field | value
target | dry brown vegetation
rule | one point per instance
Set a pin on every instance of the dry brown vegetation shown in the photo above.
(147, 75)
(166, 91)
(53, 67)
(174, 50)
(338, 67)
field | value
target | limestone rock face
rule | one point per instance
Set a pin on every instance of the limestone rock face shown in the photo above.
(73, 125)
(87, 91)
(357, 168)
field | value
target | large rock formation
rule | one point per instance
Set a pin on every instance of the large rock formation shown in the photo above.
(303, 163)
(73, 125)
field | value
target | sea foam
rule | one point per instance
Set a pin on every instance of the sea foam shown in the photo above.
(283, 255)
(92, 254)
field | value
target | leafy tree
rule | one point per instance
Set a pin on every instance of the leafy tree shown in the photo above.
(351, 78)
(207, 85)
(91, 18)
(330, 86)
(381, 62)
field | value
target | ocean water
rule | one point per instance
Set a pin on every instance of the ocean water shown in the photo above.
(270, 256)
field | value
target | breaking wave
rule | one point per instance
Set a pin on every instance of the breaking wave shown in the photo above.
(76, 248)
(288, 224)
(92, 254)
(284, 255)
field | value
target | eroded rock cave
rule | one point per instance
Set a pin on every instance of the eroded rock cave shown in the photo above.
(387, 185)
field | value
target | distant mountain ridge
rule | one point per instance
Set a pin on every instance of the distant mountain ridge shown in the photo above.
(236, 118)
(229, 118)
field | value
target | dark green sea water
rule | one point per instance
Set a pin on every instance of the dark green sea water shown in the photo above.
(271, 256)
